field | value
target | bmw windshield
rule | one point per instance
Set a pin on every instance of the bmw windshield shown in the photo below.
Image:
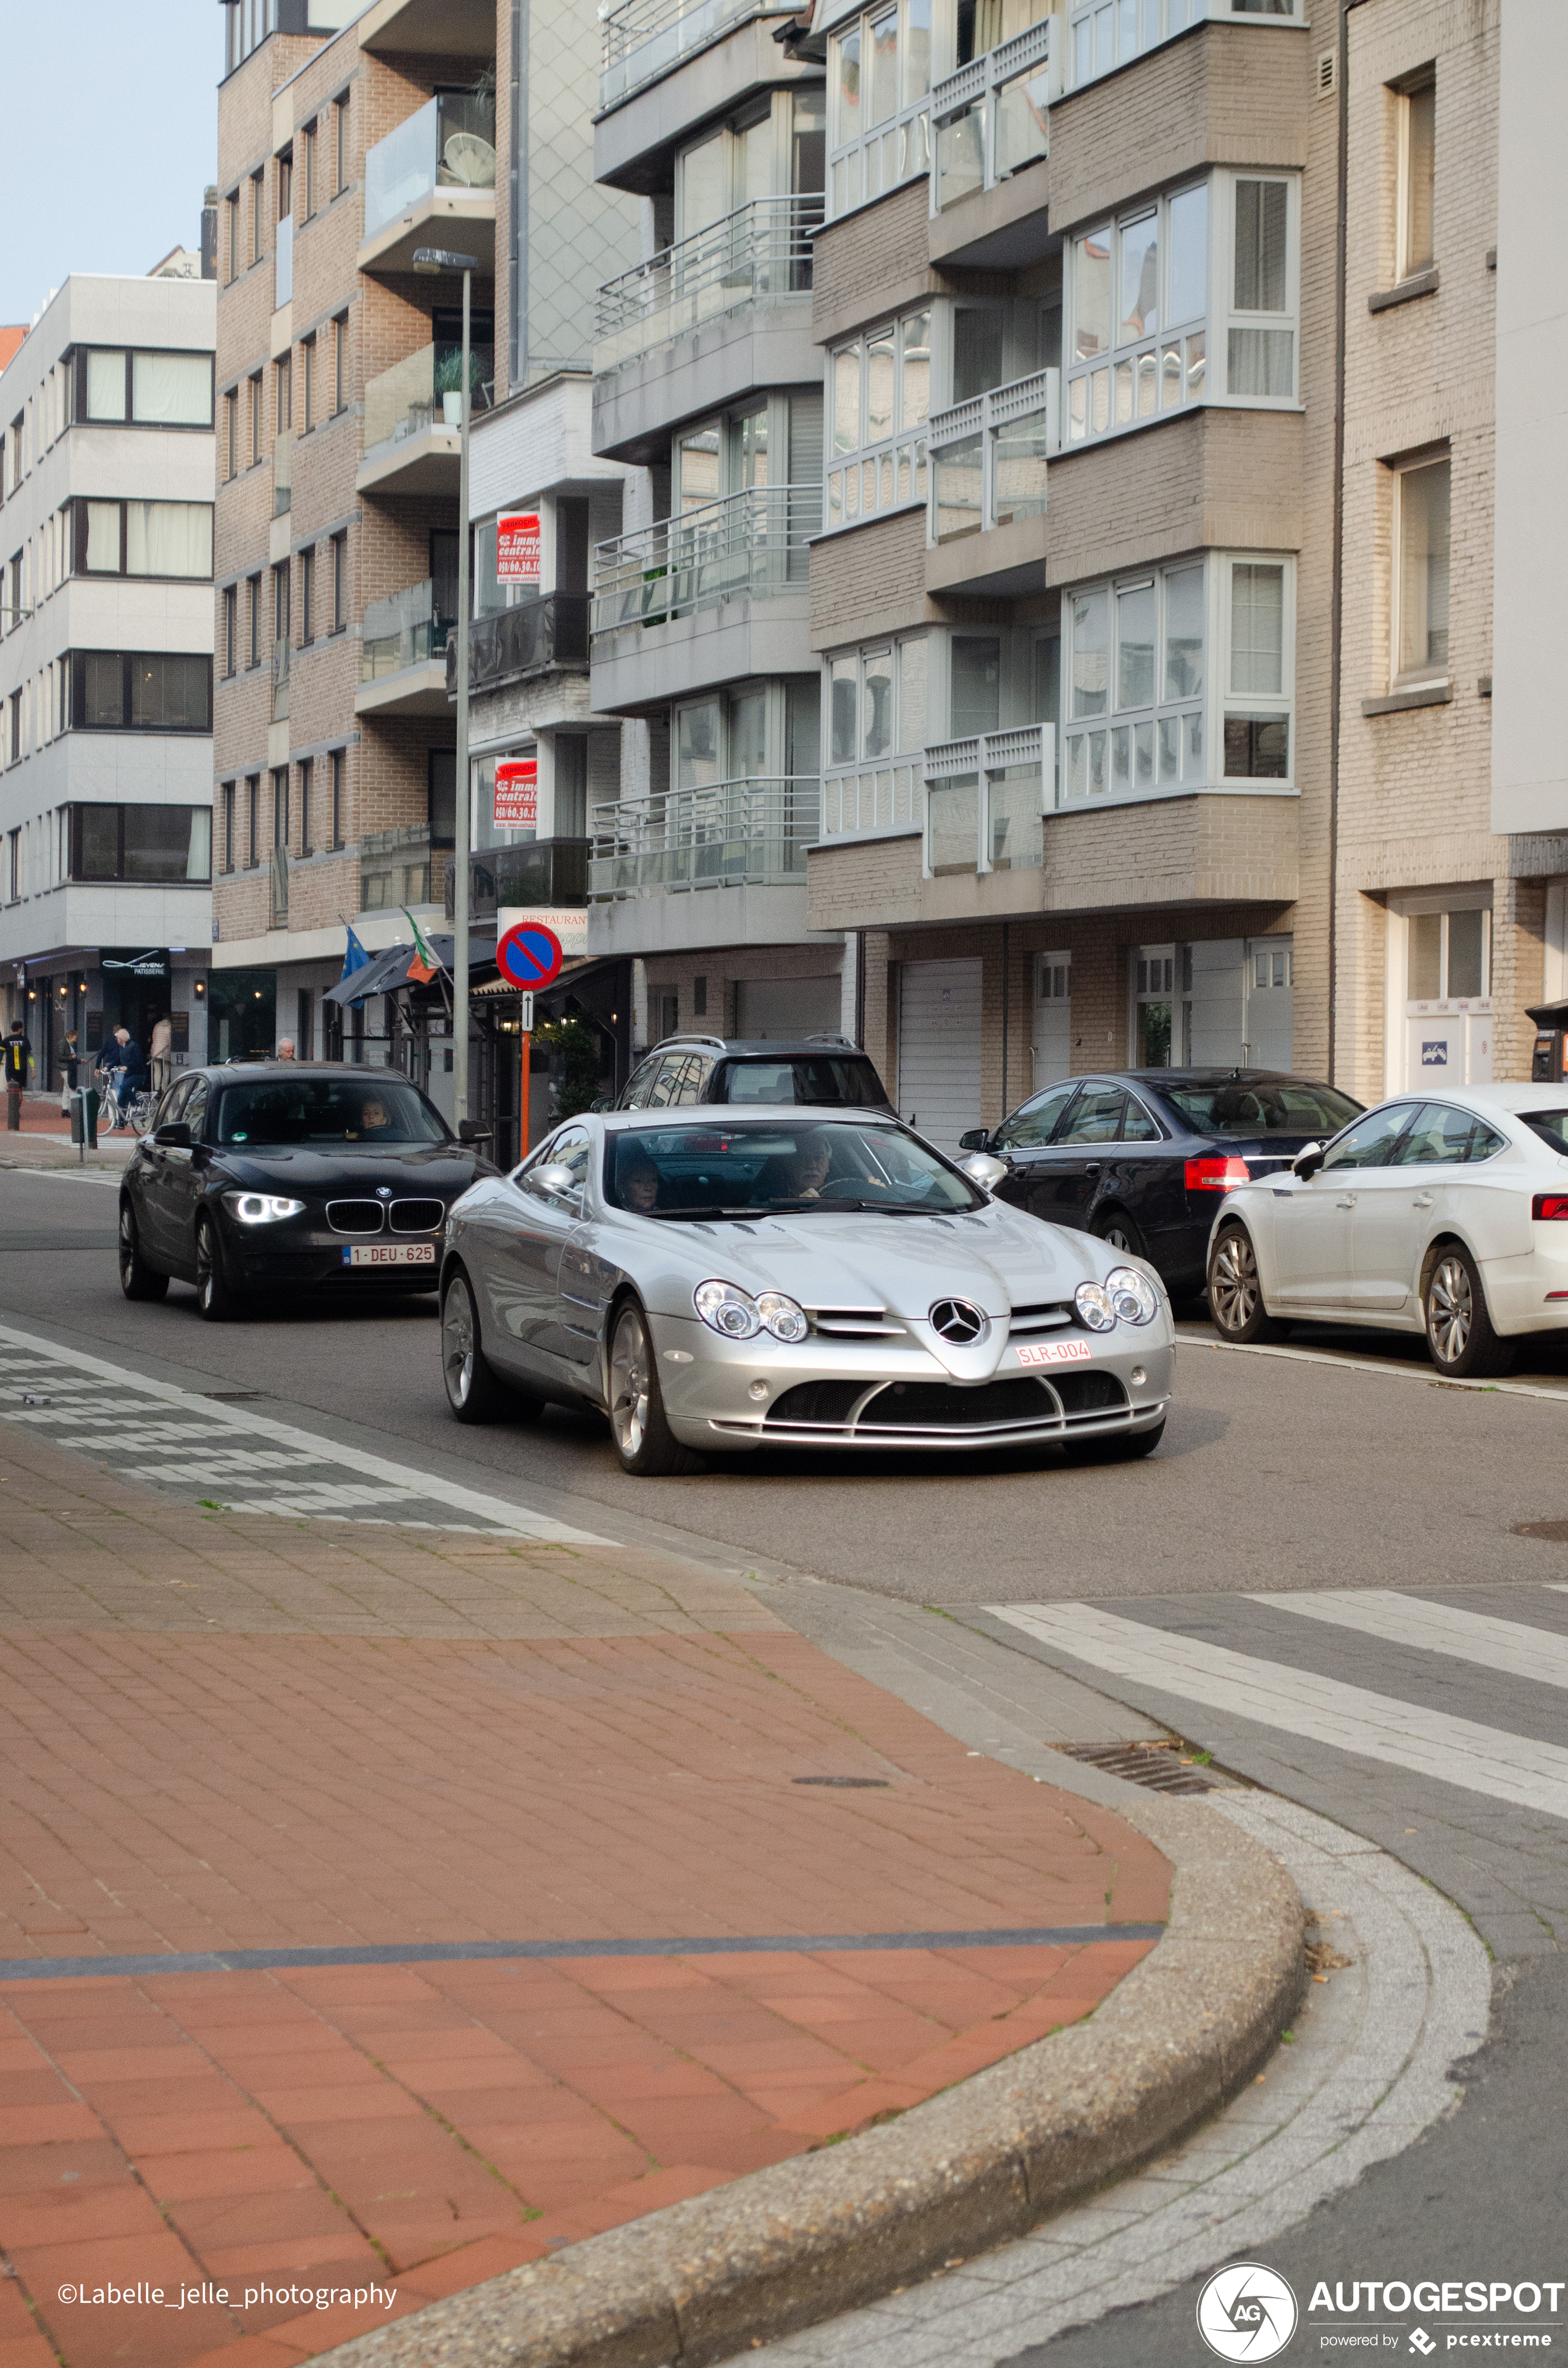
(324, 1111)
(746, 1171)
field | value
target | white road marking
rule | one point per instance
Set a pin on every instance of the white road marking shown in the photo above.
(1476, 1636)
(1270, 1693)
(1187, 1338)
(398, 1482)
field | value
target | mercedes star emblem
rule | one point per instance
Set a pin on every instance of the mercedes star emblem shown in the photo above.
(958, 1321)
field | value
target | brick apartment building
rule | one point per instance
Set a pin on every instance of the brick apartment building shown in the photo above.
(1152, 593)
(348, 138)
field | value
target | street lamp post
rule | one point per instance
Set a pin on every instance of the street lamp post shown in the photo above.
(431, 260)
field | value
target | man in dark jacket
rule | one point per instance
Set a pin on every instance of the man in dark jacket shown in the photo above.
(123, 1059)
(17, 1061)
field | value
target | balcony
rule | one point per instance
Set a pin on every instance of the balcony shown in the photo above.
(986, 799)
(394, 868)
(403, 662)
(280, 678)
(283, 264)
(546, 872)
(761, 250)
(540, 637)
(754, 544)
(432, 182)
(645, 39)
(414, 419)
(991, 117)
(282, 471)
(725, 835)
(988, 457)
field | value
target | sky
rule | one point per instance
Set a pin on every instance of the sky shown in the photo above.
(109, 134)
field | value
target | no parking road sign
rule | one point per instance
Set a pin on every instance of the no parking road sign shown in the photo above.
(529, 955)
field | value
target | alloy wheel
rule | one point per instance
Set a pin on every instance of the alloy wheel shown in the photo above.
(1451, 1312)
(1233, 1283)
(126, 1247)
(629, 1385)
(457, 1344)
(1116, 1237)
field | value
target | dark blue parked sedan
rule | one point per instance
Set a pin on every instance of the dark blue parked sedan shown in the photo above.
(1143, 1157)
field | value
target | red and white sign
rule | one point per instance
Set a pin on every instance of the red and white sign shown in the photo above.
(1055, 1353)
(568, 923)
(517, 793)
(517, 547)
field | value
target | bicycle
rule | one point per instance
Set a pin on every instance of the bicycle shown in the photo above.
(135, 1114)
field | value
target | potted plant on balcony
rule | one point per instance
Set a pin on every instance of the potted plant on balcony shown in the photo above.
(449, 379)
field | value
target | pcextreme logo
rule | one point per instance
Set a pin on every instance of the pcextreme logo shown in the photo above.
(1246, 2312)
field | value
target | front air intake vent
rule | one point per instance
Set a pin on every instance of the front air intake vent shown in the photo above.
(354, 1217)
(418, 1216)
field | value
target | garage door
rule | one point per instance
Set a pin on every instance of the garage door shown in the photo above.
(938, 1048)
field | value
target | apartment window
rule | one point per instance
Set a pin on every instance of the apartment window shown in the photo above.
(149, 844)
(280, 603)
(307, 383)
(231, 434)
(879, 76)
(879, 394)
(257, 432)
(280, 807)
(1261, 350)
(15, 735)
(307, 597)
(876, 736)
(232, 234)
(143, 390)
(1448, 956)
(1135, 686)
(1260, 640)
(1421, 572)
(1103, 35)
(306, 773)
(228, 825)
(337, 797)
(340, 363)
(340, 143)
(230, 628)
(253, 817)
(257, 216)
(339, 582)
(253, 602)
(12, 867)
(283, 393)
(286, 186)
(17, 607)
(1416, 112)
(309, 162)
(157, 539)
(128, 690)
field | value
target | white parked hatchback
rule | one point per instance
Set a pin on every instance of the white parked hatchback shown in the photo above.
(1446, 1214)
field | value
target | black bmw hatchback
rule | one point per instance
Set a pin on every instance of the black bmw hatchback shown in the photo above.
(1143, 1157)
(285, 1179)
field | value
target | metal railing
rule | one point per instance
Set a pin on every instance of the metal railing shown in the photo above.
(890, 153)
(282, 471)
(645, 39)
(725, 835)
(762, 249)
(988, 456)
(991, 118)
(405, 629)
(280, 678)
(448, 143)
(750, 544)
(541, 634)
(283, 264)
(986, 797)
(425, 391)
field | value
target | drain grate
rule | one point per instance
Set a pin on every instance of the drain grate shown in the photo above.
(848, 1783)
(1155, 1765)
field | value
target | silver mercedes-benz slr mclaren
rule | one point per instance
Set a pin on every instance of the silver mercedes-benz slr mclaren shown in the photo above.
(719, 1280)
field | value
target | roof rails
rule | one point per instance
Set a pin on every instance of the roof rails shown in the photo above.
(849, 1042)
(686, 1036)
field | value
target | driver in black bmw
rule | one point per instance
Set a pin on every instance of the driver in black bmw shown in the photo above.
(286, 1177)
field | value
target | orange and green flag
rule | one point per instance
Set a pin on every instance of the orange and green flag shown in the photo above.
(423, 966)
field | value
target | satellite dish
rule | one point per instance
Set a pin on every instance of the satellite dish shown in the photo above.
(471, 160)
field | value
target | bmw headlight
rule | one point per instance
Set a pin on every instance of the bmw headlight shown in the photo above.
(1093, 1303)
(726, 1308)
(260, 1208)
(1132, 1295)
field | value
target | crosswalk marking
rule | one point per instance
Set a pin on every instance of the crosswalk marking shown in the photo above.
(1491, 1643)
(1434, 1744)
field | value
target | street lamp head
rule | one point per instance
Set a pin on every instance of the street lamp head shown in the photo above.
(431, 259)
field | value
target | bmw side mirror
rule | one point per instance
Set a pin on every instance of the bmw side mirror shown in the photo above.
(176, 1136)
(977, 1139)
(1307, 1161)
(471, 1131)
(984, 1170)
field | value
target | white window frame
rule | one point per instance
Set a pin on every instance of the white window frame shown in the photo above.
(892, 472)
(1406, 267)
(1222, 232)
(1428, 675)
(1120, 30)
(1250, 705)
(864, 161)
(881, 796)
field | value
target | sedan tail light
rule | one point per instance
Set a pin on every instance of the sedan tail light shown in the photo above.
(1211, 1174)
(1551, 1206)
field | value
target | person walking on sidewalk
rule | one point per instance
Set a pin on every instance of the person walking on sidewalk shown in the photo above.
(18, 1060)
(160, 1054)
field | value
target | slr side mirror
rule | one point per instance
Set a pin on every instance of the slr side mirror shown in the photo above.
(1307, 1161)
(471, 1131)
(984, 1170)
(557, 1179)
(977, 1139)
(176, 1136)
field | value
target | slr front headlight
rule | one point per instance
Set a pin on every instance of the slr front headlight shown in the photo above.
(728, 1309)
(261, 1208)
(781, 1316)
(1093, 1303)
(1132, 1295)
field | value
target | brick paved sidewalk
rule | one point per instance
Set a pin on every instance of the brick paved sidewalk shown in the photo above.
(235, 1734)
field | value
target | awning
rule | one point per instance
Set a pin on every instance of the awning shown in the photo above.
(385, 972)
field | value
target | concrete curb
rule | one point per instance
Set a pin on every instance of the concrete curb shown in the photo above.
(987, 2160)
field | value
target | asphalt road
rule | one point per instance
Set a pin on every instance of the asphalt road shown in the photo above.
(1409, 1679)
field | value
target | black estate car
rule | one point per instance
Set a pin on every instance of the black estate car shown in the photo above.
(828, 1071)
(284, 1177)
(1143, 1157)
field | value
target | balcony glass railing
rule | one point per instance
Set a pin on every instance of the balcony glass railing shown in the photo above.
(986, 798)
(282, 471)
(406, 628)
(753, 543)
(988, 456)
(425, 391)
(449, 144)
(991, 117)
(763, 249)
(280, 678)
(283, 264)
(725, 834)
(544, 871)
(645, 39)
(534, 638)
(874, 797)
